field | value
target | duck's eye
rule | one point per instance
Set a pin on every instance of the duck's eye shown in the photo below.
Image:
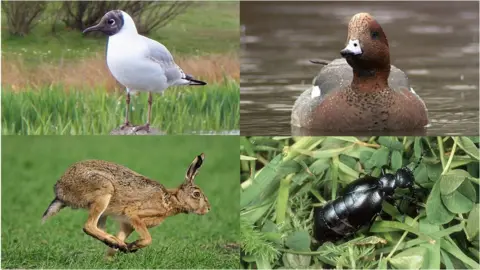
(111, 22)
(355, 44)
(196, 194)
(375, 35)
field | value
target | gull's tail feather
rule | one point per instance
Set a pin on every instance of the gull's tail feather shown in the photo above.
(192, 81)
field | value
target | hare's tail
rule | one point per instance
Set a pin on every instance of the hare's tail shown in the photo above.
(55, 206)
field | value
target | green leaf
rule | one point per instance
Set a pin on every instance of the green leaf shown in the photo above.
(371, 240)
(437, 213)
(262, 263)
(390, 142)
(396, 160)
(298, 241)
(319, 166)
(255, 213)
(364, 156)
(467, 189)
(446, 260)
(348, 160)
(411, 258)
(469, 147)
(294, 261)
(242, 157)
(450, 181)
(300, 177)
(348, 139)
(434, 171)
(378, 159)
(457, 203)
(347, 170)
(432, 258)
(420, 174)
(282, 199)
(327, 153)
(269, 226)
(417, 147)
(263, 179)
(451, 248)
(474, 139)
(472, 227)
(432, 255)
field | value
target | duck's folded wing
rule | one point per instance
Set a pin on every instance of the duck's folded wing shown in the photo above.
(338, 75)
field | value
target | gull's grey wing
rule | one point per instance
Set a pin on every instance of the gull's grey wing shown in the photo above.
(158, 51)
(161, 55)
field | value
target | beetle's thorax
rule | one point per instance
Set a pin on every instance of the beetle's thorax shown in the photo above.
(387, 183)
(404, 178)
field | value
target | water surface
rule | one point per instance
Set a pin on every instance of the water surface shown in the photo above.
(435, 43)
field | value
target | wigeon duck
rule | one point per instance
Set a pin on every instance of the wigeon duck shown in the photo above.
(361, 92)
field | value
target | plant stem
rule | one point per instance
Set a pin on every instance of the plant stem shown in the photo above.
(474, 180)
(300, 252)
(440, 149)
(399, 241)
(282, 198)
(452, 153)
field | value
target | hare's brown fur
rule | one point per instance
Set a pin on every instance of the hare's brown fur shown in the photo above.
(134, 200)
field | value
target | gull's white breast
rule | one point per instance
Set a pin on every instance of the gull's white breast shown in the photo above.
(129, 62)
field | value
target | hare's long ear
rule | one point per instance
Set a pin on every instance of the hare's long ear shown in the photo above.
(193, 169)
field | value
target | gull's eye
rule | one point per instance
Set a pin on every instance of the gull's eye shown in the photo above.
(375, 35)
(111, 22)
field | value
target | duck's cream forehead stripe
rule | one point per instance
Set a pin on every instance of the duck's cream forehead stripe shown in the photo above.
(354, 46)
(316, 92)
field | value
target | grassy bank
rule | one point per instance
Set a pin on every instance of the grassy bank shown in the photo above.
(63, 111)
(284, 178)
(204, 28)
(32, 164)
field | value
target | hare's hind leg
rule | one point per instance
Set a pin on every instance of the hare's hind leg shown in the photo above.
(102, 221)
(145, 237)
(96, 210)
(125, 231)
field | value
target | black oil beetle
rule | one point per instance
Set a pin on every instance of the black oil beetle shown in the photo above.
(359, 204)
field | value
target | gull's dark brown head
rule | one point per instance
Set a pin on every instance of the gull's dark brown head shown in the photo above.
(110, 24)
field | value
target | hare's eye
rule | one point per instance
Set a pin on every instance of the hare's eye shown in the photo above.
(111, 22)
(196, 194)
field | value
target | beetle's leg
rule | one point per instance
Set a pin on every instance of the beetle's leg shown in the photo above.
(373, 219)
(383, 169)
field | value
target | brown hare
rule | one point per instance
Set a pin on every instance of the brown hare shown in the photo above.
(135, 201)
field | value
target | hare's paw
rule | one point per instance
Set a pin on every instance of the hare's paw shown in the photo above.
(116, 243)
(133, 247)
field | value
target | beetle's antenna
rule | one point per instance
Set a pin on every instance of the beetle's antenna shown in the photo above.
(418, 162)
(416, 166)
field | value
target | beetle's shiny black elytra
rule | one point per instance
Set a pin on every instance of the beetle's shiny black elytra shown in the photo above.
(359, 204)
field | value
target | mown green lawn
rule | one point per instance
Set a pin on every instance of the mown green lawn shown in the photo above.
(57, 111)
(32, 164)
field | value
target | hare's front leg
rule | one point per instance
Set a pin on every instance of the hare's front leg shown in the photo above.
(145, 237)
(125, 230)
(96, 210)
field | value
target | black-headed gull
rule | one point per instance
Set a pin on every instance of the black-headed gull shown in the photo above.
(137, 62)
